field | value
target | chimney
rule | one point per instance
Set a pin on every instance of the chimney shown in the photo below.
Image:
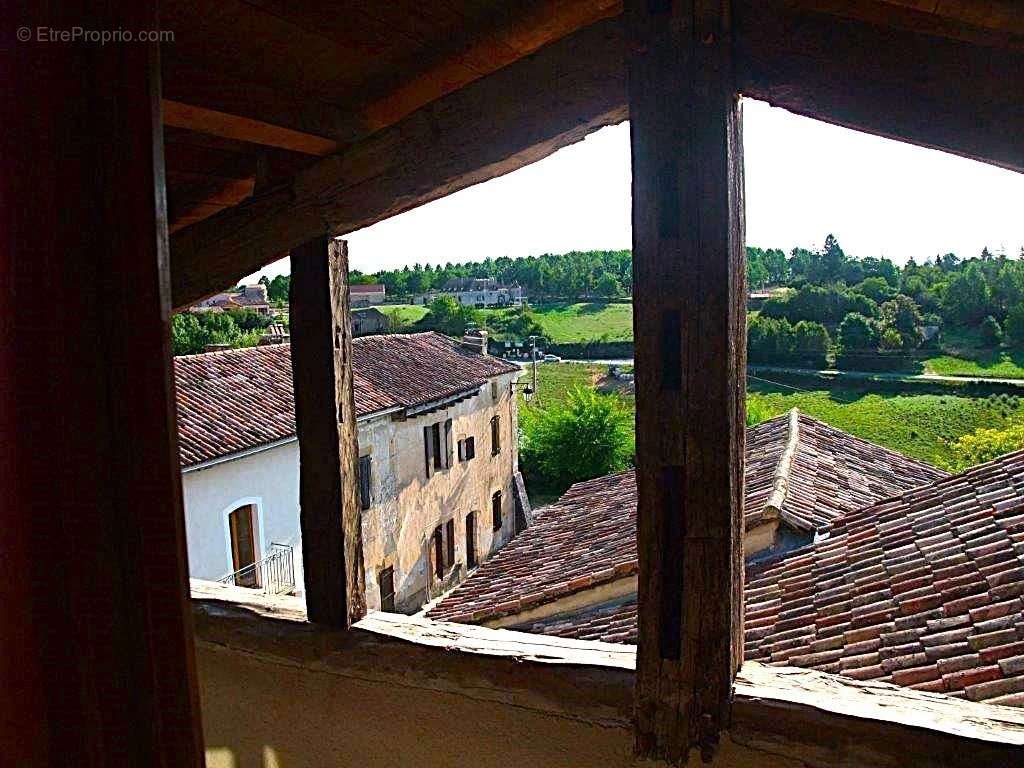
(475, 339)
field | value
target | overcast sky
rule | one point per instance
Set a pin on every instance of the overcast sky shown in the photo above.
(804, 179)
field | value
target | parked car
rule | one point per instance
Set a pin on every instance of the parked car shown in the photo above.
(552, 359)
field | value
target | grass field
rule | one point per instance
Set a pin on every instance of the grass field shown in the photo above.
(403, 315)
(590, 321)
(920, 426)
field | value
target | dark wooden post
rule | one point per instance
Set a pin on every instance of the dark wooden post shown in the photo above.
(325, 417)
(97, 664)
(690, 356)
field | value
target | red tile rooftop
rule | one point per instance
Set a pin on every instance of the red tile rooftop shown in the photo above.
(592, 528)
(239, 399)
(947, 619)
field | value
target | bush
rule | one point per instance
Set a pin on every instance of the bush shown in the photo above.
(890, 341)
(903, 315)
(1014, 326)
(857, 334)
(811, 343)
(769, 340)
(192, 332)
(986, 444)
(588, 435)
(991, 333)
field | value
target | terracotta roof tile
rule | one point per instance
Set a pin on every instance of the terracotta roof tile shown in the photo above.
(242, 398)
(926, 614)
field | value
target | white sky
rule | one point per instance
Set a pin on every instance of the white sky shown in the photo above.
(804, 179)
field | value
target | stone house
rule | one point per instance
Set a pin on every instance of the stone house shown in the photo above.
(367, 295)
(477, 292)
(437, 428)
(370, 320)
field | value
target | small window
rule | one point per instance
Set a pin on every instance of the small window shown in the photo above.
(495, 435)
(494, 390)
(449, 531)
(386, 581)
(428, 448)
(462, 450)
(496, 510)
(435, 439)
(438, 539)
(471, 540)
(470, 448)
(364, 482)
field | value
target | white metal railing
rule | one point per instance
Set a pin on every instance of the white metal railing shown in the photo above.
(274, 574)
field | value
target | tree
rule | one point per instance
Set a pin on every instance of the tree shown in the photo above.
(991, 333)
(1014, 326)
(769, 339)
(608, 285)
(857, 334)
(967, 299)
(890, 340)
(450, 317)
(588, 435)
(876, 288)
(902, 315)
(811, 338)
(187, 337)
(832, 259)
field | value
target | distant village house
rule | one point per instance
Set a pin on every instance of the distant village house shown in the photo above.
(370, 320)
(477, 292)
(367, 295)
(252, 297)
(438, 464)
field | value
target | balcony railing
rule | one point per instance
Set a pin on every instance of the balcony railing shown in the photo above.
(274, 574)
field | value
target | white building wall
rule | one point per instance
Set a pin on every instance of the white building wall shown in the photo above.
(405, 508)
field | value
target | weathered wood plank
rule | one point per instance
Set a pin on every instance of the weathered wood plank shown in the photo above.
(932, 91)
(97, 666)
(509, 119)
(325, 420)
(688, 269)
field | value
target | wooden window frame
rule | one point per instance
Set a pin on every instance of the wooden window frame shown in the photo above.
(495, 434)
(497, 512)
(471, 556)
(365, 482)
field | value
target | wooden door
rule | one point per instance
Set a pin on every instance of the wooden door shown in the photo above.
(243, 545)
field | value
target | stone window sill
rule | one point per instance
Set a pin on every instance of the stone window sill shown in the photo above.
(812, 717)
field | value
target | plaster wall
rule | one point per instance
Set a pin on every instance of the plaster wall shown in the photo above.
(405, 508)
(260, 712)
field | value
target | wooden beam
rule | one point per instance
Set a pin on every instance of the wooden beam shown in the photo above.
(325, 420)
(512, 118)
(931, 91)
(689, 321)
(231, 126)
(97, 666)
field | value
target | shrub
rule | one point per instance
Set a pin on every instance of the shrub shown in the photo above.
(986, 444)
(991, 333)
(890, 340)
(857, 334)
(588, 435)
(1014, 325)
(769, 339)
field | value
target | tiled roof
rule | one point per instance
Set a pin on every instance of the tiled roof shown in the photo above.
(586, 539)
(829, 472)
(239, 399)
(589, 536)
(922, 590)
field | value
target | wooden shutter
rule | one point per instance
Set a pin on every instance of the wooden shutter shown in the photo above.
(437, 449)
(364, 481)
(450, 544)
(428, 449)
(448, 443)
(495, 435)
(471, 540)
(496, 510)
(438, 553)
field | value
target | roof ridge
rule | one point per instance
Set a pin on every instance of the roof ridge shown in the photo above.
(780, 480)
